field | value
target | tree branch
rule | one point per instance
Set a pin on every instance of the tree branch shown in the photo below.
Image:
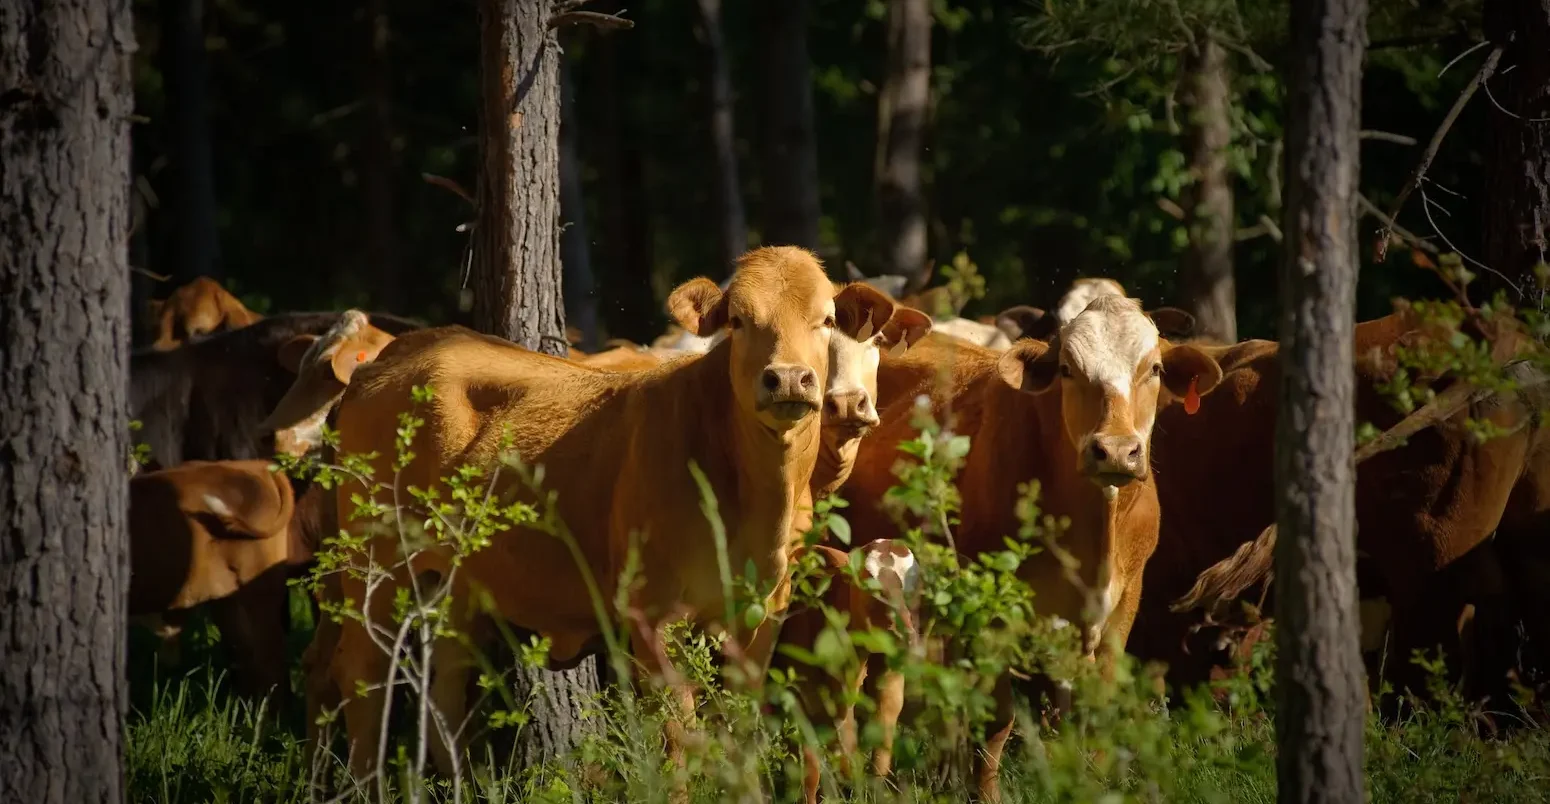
(1432, 147)
(596, 19)
(1390, 225)
(448, 184)
(1386, 136)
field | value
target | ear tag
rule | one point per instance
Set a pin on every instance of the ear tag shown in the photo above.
(360, 357)
(866, 328)
(1192, 397)
(898, 348)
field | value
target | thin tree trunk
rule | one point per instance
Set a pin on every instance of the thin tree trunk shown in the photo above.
(901, 124)
(732, 222)
(188, 211)
(1517, 200)
(516, 272)
(575, 248)
(1319, 674)
(1206, 274)
(379, 167)
(789, 152)
(65, 100)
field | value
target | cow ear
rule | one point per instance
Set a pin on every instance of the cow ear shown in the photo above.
(1184, 364)
(904, 329)
(1030, 365)
(1173, 323)
(860, 310)
(292, 351)
(1023, 321)
(698, 306)
(363, 348)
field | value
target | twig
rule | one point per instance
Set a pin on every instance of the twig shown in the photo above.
(1387, 136)
(1255, 60)
(1500, 108)
(594, 18)
(1432, 147)
(144, 272)
(1426, 207)
(1265, 226)
(1171, 207)
(1460, 57)
(448, 184)
(1389, 224)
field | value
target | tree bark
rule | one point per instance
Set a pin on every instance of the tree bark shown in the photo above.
(575, 248)
(65, 100)
(516, 274)
(1206, 273)
(789, 152)
(383, 270)
(901, 124)
(188, 213)
(1517, 157)
(1319, 674)
(733, 222)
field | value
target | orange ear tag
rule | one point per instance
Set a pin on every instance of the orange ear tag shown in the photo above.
(1192, 397)
(360, 357)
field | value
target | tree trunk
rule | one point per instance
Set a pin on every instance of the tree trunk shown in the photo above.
(1319, 675)
(575, 249)
(516, 272)
(901, 124)
(188, 212)
(732, 222)
(65, 100)
(789, 152)
(1517, 205)
(383, 270)
(1205, 275)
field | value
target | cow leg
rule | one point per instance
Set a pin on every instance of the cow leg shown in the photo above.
(987, 771)
(451, 661)
(887, 689)
(359, 661)
(322, 694)
(252, 624)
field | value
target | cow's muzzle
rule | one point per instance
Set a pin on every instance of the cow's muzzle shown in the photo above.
(1115, 460)
(788, 393)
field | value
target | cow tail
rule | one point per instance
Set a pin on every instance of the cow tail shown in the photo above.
(1227, 579)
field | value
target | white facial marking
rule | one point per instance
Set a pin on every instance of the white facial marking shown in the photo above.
(883, 559)
(851, 363)
(1107, 342)
(1081, 294)
(217, 505)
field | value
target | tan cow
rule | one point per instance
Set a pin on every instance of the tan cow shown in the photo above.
(223, 533)
(196, 309)
(615, 453)
(1076, 414)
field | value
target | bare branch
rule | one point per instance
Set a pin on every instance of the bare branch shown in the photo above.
(1432, 147)
(1171, 207)
(1387, 136)
(1254, 59)
(448, 184)
(1265, 226)
(1390, 225)
(144, 272)
(608, 22)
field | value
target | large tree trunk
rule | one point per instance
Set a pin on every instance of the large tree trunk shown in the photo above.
(188, 211)
(575, 248)
(901, 124)
(1319, 676)
(383, 270)
(789, 151)
(732, 224)
(516, 272)
(1517, 198)
(1205, 275)
(65, 101)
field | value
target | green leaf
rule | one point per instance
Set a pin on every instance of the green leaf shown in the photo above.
(840, 528)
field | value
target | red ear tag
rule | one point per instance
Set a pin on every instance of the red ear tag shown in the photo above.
(1192, 397)
(360, 357)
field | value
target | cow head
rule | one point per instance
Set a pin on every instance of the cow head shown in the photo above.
(323, 366)
(1112, 369)
(868, 324)
(1081, 294)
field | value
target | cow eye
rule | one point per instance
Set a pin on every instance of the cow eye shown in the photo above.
(1156, 369)
(1065, 369)
(737, 322)
(829, 322)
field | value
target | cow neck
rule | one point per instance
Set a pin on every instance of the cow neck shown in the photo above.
(1023, 437)
(771, 469)
(835, 461)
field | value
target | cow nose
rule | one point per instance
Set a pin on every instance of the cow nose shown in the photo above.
(789, 381)
(1117, 455)
(849, 408)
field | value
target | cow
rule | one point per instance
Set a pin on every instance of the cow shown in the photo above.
(227, 534)
(201, 307)
(322, 366)
(1420, 508)
(822, 695)
(1075, 414)
(617, 461)
(207, 400)
(1023, 321)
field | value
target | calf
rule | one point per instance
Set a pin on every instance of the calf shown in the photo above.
(1075, 414)
(201, 307)
(615, 456)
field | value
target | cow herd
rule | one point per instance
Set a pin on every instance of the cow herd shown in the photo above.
(775, 389)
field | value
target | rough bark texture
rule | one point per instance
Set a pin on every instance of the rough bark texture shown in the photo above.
(901, 125)
(188, 217)
(1319, 676)
(789, 149)
(575, 248)
(1206, 275)
(516, 274)
(732, 222)
(65, 102)
(379, 166)
(1517, 199)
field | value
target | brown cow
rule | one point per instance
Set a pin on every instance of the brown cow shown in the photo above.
(1076, 414)
(892, 564)
(201, 307)
(1419, 508)
(226, 534)
(323, 366)
(615, 455)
